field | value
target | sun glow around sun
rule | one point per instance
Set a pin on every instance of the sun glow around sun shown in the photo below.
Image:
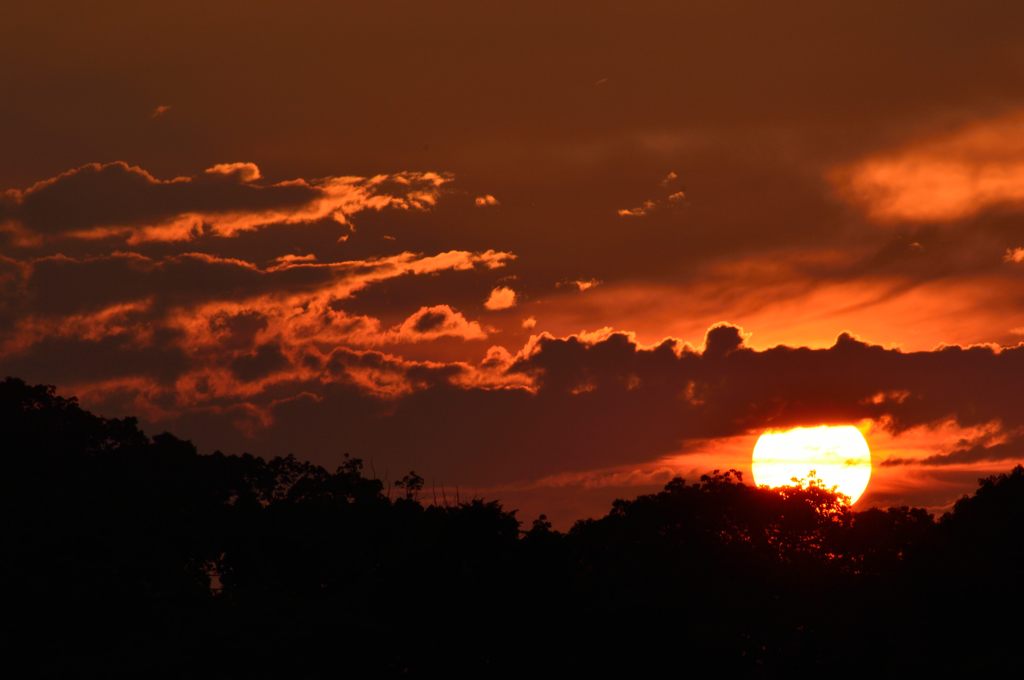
(837, 455)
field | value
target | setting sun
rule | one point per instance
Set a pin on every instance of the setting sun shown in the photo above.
(837, 455)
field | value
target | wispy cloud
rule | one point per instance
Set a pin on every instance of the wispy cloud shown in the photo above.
(947, 177)
(118, 200)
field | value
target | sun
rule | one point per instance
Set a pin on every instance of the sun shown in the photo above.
(838, 455)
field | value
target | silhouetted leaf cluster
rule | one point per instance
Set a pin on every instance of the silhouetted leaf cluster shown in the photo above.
(131, 555)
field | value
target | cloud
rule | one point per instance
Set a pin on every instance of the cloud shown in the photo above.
(56, 285)
(485, 201)
(555, 405)
(579, 284)
(264, 360)
(673, 195)
(946, 177)
(438, 321)
(1014, 255)
(118, 200)
(639, 211)
(994, 446)
(501, 297)
(611, 401)
(244, 172)
(218, 324)
(722, 339)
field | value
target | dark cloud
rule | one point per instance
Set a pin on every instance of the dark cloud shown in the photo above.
(267, 359)
(121, 195)
(721, 340)
(238, 330)
(429, 321)
(969, 452)
(107, 200)
(586, 404)
(79, 361)
(61, 285)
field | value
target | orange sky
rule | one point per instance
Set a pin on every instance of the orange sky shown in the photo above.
(453, 237)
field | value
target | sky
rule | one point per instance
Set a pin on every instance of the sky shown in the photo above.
(551, 253)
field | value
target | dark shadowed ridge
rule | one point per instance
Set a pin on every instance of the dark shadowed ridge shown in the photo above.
(134, 555)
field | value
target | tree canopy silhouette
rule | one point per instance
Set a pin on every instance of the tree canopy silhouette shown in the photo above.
(126, 554)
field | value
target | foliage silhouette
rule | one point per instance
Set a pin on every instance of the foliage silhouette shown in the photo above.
(133, 555)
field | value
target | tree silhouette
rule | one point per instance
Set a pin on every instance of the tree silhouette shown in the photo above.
(235, 566)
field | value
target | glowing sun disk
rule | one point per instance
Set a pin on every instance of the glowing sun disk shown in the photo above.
(838, 455)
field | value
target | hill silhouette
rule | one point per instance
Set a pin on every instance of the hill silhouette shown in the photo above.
(130, 555)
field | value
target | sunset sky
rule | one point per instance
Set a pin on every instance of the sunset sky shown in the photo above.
(548, 252)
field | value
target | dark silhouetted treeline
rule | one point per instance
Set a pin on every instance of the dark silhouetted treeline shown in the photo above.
(126, 555)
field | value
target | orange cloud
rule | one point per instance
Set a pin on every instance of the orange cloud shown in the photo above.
(103, 200)
(1014, 255)
(314, 316)
(430, 323)
(579, 284)
(246, 172)
(947, 177)
(235, 329)
(675, 196)
(638, 211)
(501, 297)
(124, 318)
